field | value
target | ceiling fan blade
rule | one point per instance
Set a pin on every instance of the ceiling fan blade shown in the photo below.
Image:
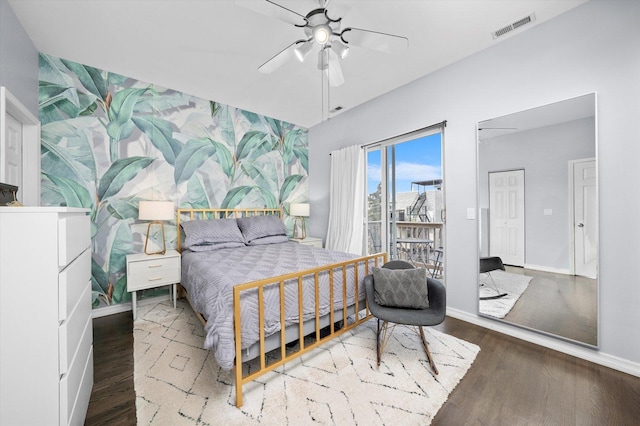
(381, 42)
(274, 10)
(334, 70)
(280, 58)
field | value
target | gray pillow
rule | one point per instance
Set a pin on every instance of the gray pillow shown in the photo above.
(271, 239)
(255, 227)
(215, 246)
(401, 288)
(212, 234)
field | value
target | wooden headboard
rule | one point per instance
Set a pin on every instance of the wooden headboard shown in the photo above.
(185, 214)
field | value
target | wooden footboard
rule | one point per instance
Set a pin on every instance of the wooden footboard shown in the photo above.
(359, 264)
(350, 284)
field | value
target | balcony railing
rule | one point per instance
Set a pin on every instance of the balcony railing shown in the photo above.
(416, 242)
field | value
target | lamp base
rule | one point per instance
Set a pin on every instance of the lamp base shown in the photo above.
(299, 231)
(146, 241)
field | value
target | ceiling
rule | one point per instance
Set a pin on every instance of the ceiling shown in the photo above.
(212, 49)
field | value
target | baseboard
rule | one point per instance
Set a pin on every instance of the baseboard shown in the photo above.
(561, 271)
(588, 354)
(123, 307)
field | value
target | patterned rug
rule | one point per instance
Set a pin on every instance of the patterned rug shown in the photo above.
(512, 284)
(178, 383)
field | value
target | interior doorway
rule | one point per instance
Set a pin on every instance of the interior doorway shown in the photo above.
(583, 178)
(506, 216)
(12, 152)
(28, 140)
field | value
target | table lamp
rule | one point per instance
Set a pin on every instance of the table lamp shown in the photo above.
(156, 212)
(300, 211)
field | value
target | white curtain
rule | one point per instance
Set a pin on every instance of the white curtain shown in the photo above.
(346, 201)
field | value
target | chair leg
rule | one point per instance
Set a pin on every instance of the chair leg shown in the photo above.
(378, 342)
(383, 335)
(498, 295)
(426, 348)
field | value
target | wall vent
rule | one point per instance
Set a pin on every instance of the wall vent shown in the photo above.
(517, 24)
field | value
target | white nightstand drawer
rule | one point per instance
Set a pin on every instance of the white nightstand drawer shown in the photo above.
(152, 278)
(309, 241)
(156, 263)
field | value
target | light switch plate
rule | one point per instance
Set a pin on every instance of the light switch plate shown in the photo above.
(471, 213)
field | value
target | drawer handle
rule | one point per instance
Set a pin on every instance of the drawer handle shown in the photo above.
(155, 279)
(155, 266)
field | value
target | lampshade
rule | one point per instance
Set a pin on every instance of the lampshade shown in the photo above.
(340, 48)
(156, 210)
(302, 49)
(299, 209)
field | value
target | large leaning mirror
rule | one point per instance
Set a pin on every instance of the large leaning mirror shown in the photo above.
(538, 208)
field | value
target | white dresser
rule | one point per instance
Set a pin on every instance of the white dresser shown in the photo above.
(46, 335)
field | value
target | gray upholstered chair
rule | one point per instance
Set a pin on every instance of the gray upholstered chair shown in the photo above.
(432, 315)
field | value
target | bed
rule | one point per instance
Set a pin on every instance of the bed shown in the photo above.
(240, 264)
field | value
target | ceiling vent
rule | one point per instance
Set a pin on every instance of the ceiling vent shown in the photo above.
(515, 25)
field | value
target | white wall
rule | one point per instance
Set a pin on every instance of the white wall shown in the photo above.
(595, 47)
(18, 60)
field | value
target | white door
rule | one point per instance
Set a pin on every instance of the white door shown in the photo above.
(506, 216)
(585, 218)
(12, 152)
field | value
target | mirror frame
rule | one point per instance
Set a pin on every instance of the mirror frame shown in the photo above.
(479, 223)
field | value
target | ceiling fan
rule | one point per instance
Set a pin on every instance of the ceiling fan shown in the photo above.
(322, 29)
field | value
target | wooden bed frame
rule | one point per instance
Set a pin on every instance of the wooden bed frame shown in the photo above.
(303, 327)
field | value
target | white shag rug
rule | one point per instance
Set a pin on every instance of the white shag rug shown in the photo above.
(512, 284)
(179, 383)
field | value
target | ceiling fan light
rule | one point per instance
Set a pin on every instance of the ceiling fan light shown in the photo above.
(302, 50)
(321, 34)
(323, 59)
(341, 49)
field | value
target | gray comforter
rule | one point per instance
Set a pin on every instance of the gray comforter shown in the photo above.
(209, 278)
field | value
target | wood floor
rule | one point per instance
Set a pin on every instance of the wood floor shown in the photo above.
(565, 305)
(511, 382)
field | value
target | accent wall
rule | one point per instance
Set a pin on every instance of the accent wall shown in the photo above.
(109, 141)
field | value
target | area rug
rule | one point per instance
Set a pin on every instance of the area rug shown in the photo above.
(179, 383)
(512, 284)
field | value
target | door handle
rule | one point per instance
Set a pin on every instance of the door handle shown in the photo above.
(581, 225)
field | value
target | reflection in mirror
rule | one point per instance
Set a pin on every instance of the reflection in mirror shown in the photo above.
(537, 195)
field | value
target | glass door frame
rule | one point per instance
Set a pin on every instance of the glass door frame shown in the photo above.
(388, 236)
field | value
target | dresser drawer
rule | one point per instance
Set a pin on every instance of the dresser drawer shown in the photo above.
(75, 330)
(75, 388)
(74, 237)
(72, 281)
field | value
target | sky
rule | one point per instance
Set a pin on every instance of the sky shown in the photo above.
(416, 160)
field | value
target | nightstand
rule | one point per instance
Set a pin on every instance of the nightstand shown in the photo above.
(309, 241)
(150, 271)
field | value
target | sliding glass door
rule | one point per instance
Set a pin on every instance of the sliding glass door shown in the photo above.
(405, 198)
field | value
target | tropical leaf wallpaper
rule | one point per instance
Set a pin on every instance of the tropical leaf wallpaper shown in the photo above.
(109, 141)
